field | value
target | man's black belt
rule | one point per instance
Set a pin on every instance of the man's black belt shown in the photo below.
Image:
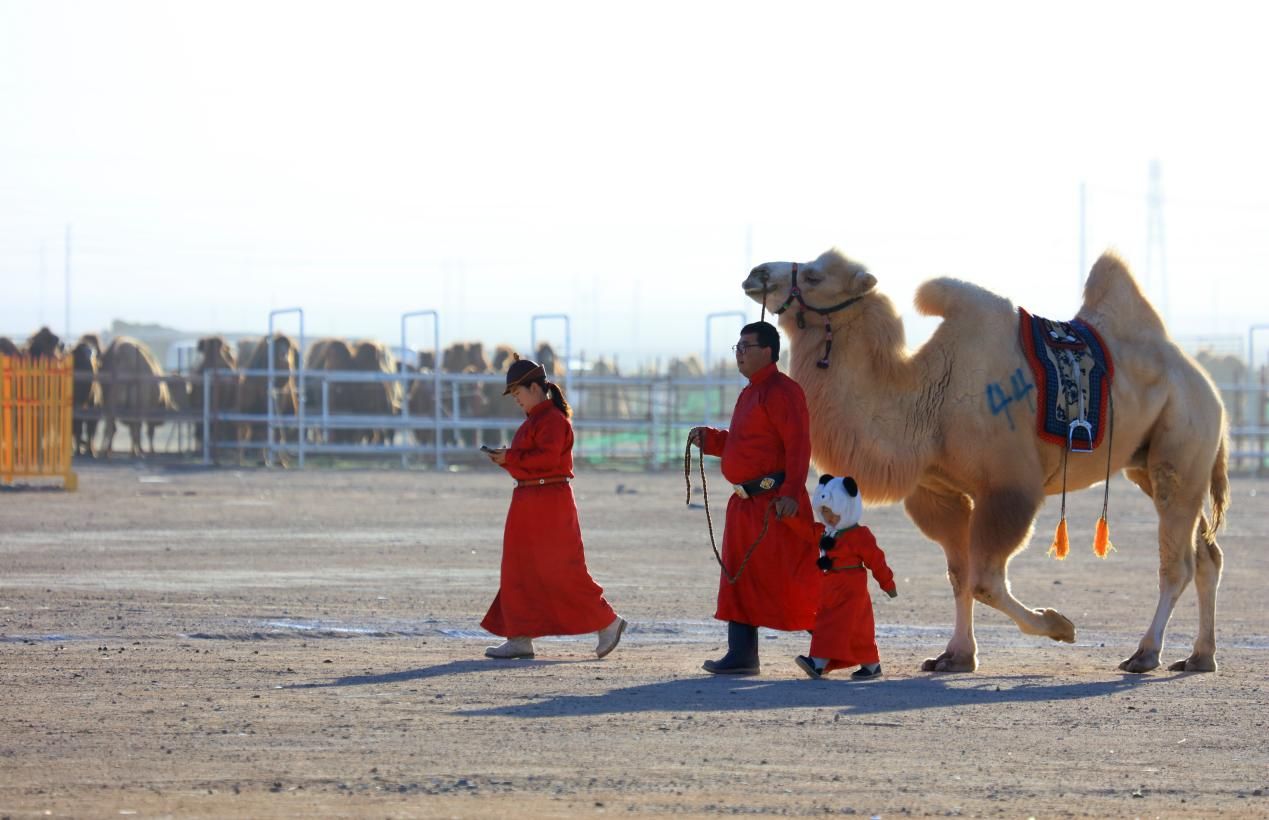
(758, 486)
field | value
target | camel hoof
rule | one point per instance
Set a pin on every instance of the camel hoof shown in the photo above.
(1141, 661)
(1194, 663)
(947, 662)
(1059, 627)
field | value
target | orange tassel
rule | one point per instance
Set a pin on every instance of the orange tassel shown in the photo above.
(1101, 541)
(1061, 544)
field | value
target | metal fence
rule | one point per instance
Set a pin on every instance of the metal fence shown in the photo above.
(637, 421)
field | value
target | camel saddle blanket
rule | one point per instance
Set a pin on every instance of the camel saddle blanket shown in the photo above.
(1073, 372)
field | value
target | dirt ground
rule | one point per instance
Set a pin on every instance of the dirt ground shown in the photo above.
(178, 641)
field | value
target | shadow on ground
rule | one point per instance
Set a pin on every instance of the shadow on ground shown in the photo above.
(853, 698)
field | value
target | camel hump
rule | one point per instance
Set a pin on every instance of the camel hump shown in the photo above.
(1113, 295)
(947, 296)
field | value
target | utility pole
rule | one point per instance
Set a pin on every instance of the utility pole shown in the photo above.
(1083, 271)
(1155, 249)
(66, 328)
(43, 284)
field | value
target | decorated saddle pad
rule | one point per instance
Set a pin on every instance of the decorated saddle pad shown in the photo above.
(1070, 364)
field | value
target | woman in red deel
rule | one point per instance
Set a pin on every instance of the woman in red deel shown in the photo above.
(545, 587)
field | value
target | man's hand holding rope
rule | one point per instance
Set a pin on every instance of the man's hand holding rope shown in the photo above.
(785, 506)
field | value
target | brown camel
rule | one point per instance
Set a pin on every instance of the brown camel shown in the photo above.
(132, 389)
(218, 357)
(86, 393)
(44, 344)
(254, 390)
(374, 398)
(916, 426)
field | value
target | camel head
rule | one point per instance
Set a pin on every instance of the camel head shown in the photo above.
(44, 343)
(828, 281)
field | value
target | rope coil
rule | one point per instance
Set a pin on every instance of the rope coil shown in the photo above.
(709, 520)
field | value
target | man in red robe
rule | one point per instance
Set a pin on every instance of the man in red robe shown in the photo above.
(766, 454)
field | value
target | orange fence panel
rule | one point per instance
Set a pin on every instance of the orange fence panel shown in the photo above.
(35, 418)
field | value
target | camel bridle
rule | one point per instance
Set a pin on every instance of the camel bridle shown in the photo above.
(795, 293)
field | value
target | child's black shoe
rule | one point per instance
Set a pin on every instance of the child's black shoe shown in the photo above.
(867, 671)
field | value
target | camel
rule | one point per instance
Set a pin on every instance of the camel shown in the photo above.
(327, 354)
(254, 390)
(86, 392)
(132, 389)
(44, 344)
(218, 357)
(374, 398)
(915, 426)
(474, 398)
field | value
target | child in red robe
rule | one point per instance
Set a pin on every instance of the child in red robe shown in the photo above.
(845, 633)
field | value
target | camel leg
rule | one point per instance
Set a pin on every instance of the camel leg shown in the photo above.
(945, 519)
(244, 437)
(108, 437)
(1182, 551)
(134, 431)
(1207, 577)
(1001, 524)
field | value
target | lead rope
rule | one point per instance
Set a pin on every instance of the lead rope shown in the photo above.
(766, 280)
(1101, 539)
(709, 520)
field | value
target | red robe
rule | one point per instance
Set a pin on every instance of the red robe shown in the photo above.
(769, 433)
(545, 587)
(844, 630)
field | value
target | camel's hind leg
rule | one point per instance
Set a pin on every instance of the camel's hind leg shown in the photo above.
(1184, 553)
(945, 519)
(1000, 526)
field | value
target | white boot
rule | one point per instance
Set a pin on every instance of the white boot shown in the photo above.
(610, 636)
(512, 648)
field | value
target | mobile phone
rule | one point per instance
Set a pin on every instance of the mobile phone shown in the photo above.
(485, 448)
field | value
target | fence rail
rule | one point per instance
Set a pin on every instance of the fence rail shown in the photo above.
(637, 420)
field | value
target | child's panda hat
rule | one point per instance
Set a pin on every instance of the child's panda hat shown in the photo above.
(842, 497)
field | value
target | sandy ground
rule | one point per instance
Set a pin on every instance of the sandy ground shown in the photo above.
(175, 641)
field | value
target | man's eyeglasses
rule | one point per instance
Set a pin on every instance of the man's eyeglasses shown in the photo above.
(743, 346)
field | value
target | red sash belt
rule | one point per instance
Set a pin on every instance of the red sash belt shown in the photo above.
(539, 482)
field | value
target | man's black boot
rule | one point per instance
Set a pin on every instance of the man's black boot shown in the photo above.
(742, 652)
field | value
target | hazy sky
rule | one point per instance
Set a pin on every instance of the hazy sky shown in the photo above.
(624, 164)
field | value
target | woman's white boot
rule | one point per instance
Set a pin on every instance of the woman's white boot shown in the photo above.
(512, 648)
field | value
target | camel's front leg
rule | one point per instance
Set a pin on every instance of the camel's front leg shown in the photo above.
(944, 517)
(1001, 525)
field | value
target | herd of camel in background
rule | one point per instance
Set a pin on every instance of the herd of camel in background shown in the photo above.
(124, 383)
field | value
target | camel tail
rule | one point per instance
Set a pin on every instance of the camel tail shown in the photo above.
(1219, 488)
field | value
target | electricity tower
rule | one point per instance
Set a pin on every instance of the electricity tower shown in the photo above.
(1156, 254)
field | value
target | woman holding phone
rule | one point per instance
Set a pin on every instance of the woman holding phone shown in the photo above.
(545, 588)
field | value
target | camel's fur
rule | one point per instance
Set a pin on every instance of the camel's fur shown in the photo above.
(916, 426)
